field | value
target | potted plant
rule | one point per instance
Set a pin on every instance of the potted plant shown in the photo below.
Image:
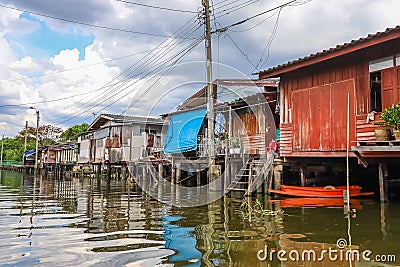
(235, 145)
(391, 117)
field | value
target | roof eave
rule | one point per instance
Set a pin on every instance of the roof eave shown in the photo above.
(326, 55)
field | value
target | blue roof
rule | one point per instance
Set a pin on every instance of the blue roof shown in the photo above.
(29, 152)
(183, 130)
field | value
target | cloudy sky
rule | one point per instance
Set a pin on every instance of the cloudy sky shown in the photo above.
(73, 60)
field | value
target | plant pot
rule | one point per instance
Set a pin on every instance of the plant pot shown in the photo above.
(382, 134)
(396, 134)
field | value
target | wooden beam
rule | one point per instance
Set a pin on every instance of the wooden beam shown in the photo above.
(361, 159)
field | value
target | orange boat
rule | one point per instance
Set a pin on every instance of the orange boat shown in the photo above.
(318, 191)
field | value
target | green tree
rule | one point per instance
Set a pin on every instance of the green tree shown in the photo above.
(72, 134)
(14, 147)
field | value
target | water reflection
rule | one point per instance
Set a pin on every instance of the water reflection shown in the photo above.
(87, 222)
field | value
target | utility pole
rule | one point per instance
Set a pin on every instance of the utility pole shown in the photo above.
(2, 148)
(25, 141)
(211, 94)
(37, 140)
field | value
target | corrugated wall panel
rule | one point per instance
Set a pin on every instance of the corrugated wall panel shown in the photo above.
(315, 119)
(320, 117)
(339, 93)
(301, 123)
(325, 117)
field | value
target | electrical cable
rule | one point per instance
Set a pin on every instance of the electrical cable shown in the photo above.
(88, 24)
(157, 7)
(124, 84)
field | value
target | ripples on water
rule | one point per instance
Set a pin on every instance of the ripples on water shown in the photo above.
(85, 222)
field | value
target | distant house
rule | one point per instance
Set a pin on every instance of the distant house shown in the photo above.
(119, 139)
(61, 153)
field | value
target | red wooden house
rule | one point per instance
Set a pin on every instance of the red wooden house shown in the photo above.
(314, 94)
(314, 91)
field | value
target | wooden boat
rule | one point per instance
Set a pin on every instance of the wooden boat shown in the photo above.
(318, 191)
(312, 202)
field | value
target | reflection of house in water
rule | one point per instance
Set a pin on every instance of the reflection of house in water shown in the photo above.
(182, 240)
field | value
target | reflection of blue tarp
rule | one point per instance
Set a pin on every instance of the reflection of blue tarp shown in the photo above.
(182, 240)
(219, 123)
(183, 130)
(29, 153)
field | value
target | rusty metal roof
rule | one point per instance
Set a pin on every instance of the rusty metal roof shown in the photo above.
(371, 39)
(103, 118)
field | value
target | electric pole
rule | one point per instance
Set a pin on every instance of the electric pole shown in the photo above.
(2, 147)
(211, 94)
(37, 140)
(25, 141)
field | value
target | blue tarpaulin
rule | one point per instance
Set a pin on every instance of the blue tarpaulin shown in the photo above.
(29, 153)
(183, 130)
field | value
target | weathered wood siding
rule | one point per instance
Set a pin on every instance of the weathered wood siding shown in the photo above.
(314, 100)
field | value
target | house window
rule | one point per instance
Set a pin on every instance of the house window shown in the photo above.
(375, 92)
(149, 131)
(380, 64)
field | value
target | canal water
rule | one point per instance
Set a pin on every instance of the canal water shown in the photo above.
(85, 222)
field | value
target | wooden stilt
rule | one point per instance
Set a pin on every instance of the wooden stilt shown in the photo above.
(303, 174)
(198, 177)
(178, 173)
(383, 173)
(277, 169)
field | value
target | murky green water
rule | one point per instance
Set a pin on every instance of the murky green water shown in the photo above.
(84, 222)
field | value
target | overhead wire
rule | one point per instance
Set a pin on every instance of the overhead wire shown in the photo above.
(72, 69)
(167, 45)
(268, 46)
(157, 7)
(252, 17)
(124, 86)
(89, 24)
(177, 57)
(79, 94)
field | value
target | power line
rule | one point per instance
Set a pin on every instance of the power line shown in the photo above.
(91, 25)
(256, 25)
(271, 38)
(146, 63)
(240, 50)
(82, 67)
(158, 7)
(183, 53)
(252, 17)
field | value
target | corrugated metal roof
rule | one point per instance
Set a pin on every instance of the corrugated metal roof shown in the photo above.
(354, 43)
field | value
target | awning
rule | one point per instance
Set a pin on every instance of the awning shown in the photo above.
(183, 130)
